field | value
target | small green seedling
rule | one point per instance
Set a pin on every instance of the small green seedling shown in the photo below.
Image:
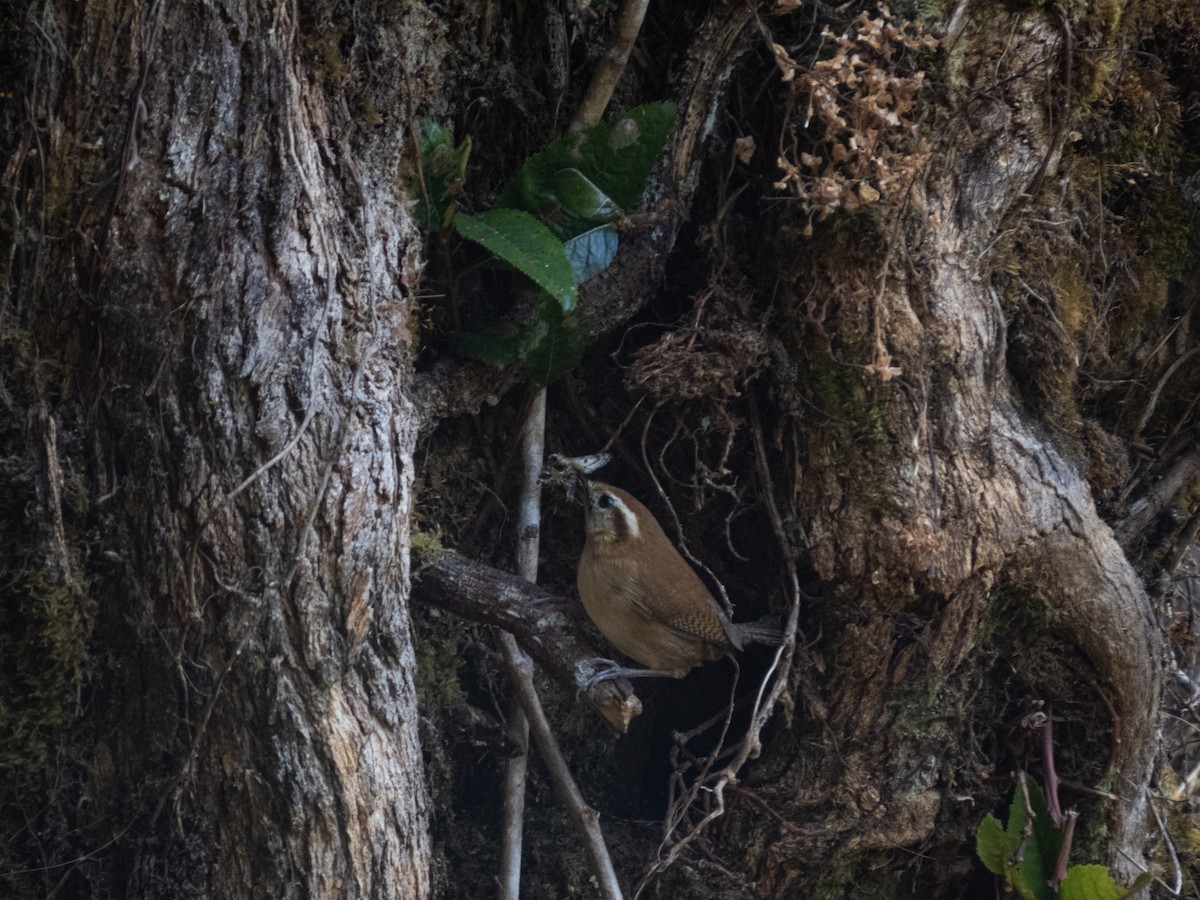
(1026, 853)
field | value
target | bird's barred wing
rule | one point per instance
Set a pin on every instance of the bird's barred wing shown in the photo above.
(686, 608)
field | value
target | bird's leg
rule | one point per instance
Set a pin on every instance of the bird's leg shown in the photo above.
(607, 669)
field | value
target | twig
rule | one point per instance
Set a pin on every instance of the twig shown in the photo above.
(1154, 395)
(1115, 737)
(1052, 804)
(683, 547)
(1069, 785)
(529, 516)
(1185, 542)
(712, 786)
(586, 819)
(520, 670)
(1142, 512)
(611, 65)
(1064, 850)
(1027, 829)
(1170, 845)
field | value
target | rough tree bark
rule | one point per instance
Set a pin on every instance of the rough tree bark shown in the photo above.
(207, 364)
(206, 340)
(971, 497)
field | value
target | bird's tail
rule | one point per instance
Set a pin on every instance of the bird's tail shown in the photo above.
(767, 630)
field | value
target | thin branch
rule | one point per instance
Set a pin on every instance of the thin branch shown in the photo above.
(1027, 829)
(712, 786)
(1159, 497)
(1177, 886)
(586, 819)
(611, 65)
(536, 618)
(529, 516)
(520, 670)
(1154, 395)
(1064, 850)
(518, 665)
(1052, 804)
(1184, 543)
(679, 536)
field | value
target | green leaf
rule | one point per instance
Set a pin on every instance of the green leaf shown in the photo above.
(581, 199)
(1138, 883)
(554, 343)
(591, 252)
(1046, 834)
(1031, 878)
(548, 345)
(498, 346)
(1089, 883)
(997, 846)
(440, 176)
(592, 175)
(526, 244)
(994, 846)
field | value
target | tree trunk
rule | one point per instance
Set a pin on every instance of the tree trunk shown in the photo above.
(924, 353)
(959, 513)
(207, 361)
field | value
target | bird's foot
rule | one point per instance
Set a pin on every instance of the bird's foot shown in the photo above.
(607, 670)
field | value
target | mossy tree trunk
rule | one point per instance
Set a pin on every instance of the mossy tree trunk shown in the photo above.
(208, 452)
(945, 320)
(952, 525)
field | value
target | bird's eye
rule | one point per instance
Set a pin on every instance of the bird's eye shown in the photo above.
(605, 501)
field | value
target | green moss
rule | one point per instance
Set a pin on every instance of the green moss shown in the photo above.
(1018, 610)
(425, 543)
(438, 662)
(859, 875)
(45, 625)
(44, 629)
(878, 417)
(1072, 296)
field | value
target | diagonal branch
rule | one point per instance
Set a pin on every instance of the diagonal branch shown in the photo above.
(536, 618)
(1143, 511)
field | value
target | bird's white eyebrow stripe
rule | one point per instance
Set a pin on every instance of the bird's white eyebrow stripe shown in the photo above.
(630, 519)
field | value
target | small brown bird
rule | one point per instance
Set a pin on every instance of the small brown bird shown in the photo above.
(645, 599)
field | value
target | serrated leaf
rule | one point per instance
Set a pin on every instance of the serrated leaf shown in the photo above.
(591, 252)
(994, 846)
(526, 244)
(1039, 852)
(614, 157)
(1089, 883)
(439, 179)
(553, 343)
